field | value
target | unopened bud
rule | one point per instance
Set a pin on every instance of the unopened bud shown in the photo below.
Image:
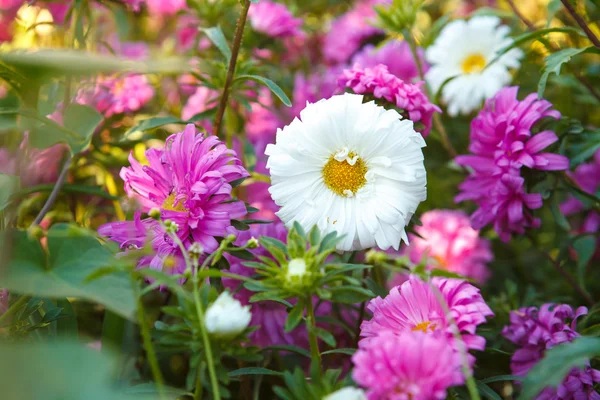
(195, 250)
(230, 238)
(171, 226)
(154, 214)
(252, 243)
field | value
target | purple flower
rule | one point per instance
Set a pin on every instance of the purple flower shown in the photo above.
(383, 85)
(274, 20)
(537, 330)
(396, 56)
(502, 142)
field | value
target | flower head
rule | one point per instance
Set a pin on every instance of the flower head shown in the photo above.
(226, 317)
(395, 55)
(464, 50)
(449, 242)
(407, 365)
(274, 19)
(383, 85)
(349, 167)
(414, 306)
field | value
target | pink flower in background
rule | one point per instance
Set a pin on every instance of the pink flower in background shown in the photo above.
(320, 85)
(58, 9)
(187, 33)
(383, 85)
(396, 56)
(414, 306)
(189, 181)
(203, 99)
(165, 7)
(11, 4)
(537, 330)
(262, 122)
(502, 142)
(117, 95)
(135, 4)
(450, 243)
(274, 19)
(7, 20)
(349, 31)
(407, 365)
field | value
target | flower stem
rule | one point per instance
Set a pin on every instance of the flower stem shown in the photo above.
(581, 22)
(54, 194)
(237, 42)
(16, 305)
(316, 368)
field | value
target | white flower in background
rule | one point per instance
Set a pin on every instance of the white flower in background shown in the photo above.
(226, 316)
(464, 49)
(347, 393)
(349, 167)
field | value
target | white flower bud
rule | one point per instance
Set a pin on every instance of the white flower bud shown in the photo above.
(347, 393)
(226, 316)
(296, 268)
(252, 243)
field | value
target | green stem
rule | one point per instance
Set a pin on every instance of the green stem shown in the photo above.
(198, 391)
(16, 305)
(316, 369)
(148, 347)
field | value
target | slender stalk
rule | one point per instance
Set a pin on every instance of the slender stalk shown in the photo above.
(237, 42)
(526, 21)
(54, 194)
(148, 347)
(316, 367)
(199, 389)
(16, 305)
(581, 22)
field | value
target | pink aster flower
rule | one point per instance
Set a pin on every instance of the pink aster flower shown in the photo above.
(349, 31)
(449, 242)
(402, 366)
(396, 56)
(165, 7)
(502, 142)
(190, 183)
(274, 19)
(414, 306)
(537, 330)
(383, 85)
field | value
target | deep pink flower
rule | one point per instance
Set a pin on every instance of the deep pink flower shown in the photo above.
(7, 20)
(190, 182)
(396, 56)
(537, 330)
(349, 31)
(320, 85)
(383, 85)
(11, 4)
(58, 9)
(165, 7)
(407, 365)
(449, 242)
(274, 19)
(414, 306)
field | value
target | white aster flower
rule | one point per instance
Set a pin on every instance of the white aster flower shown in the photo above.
(349, 167)
(226, 316)
(347, 393)
(464, 49)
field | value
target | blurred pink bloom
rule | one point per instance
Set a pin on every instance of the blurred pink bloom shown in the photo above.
(320, 85)
(187, 33)
(383, 85)
(407, 365)
(7, 20)
(58, 9)
(165, 7)
(349, 31)
(274, 19)
(537, 330)
(502, 142)
(11, 4)
(135, 4)
(450, 243)
(203, 99)
(396, 56)
(414, 306)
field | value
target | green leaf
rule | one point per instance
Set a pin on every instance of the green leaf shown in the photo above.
(9, 184)
(350, 294)
(502, 378)
(215, 34)
(314, 236)
(290, 348)
(326, 336)
(295, 316)
(555, 61)
(151, 389)
(556, 364)
(254, 371)
(346, 351)
(487, 391)
(74, 254)
(559, 217)
(277, 91)
(584, 147)
(585, 246)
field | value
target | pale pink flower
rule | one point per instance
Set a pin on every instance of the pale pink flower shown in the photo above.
(274, 19)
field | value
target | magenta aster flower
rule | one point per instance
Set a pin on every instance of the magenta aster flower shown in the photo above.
(502, 142)
(383, 85)
(165, 7)
(396, 56)
(274, 19)
(537, 330)
(448, 240)
(190, 183)
(401, 366)
(414, 306)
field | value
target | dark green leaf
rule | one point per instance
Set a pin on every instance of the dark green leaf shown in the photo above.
(585, 247)
(559, 217)
(487, 391)
(295, 316)
(290, 348)
(215, 34)
(346, 351)
(326, 336)
(502, 378)
(350, 294)
(254, 371)
(277, 91)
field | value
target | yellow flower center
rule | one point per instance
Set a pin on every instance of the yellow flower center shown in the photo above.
(423, 327)
(473, 63)
(169, 204)
(345, 177)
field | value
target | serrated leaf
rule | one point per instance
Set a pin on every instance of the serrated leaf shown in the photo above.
(277, 91)
(555, 61)
(216, 36)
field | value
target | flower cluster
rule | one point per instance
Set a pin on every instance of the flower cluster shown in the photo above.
(274, 19)
(380, 83)
(537, 330)
(502, 142)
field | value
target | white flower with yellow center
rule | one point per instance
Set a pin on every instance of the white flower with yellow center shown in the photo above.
(349, 167)
(463, 50)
